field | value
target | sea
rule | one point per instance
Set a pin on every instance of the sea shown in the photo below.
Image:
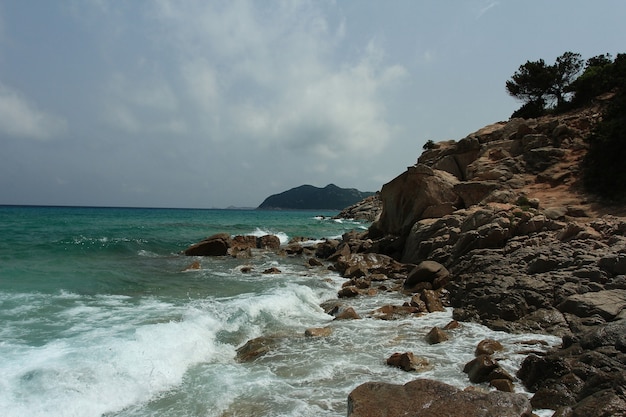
(101, 316)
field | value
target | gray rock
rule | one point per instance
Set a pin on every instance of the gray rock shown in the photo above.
(608, 304)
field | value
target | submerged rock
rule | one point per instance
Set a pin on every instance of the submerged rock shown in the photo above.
(407, 361)
(318, 332)
(255, 348)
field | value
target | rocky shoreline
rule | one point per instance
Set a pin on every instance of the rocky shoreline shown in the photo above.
(495, 226)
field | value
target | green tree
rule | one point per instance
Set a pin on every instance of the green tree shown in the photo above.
(531, 82)
(604, 170)
(597, 78)
(566, 70)
(540, 85)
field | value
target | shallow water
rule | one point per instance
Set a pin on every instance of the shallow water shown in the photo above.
(99, 318)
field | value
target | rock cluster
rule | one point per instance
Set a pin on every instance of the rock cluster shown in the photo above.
(524, 250)
(223, 244)
(495, 226)
(365, 210)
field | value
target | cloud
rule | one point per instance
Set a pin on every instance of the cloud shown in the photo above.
(270, 74)
(20, 118)
(146, 105)
(490, 5)
(330, 113)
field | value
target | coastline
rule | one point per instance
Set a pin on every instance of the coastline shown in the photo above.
(523, 249)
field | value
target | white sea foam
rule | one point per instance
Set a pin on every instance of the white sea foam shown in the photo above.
(106, 367)
(121, 356)
(258, 232)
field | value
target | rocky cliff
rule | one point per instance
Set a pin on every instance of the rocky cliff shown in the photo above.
(496, 226)
(503, 211)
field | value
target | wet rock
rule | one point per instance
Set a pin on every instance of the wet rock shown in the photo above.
(432, 301)
(194, 266)
(318, 332)
(428, 398)
(452, 325)
(407, 361)
(216, 245)
(504, 385)
(559, 394)
(255, 348)
(535, 370)
(611, 334)
(242, 243)
(314, 262)
(436, 335)
(391, 312)
(326, 248)
(268, 242)
(488, 347)
(294, 249)
(348, 292)
(272, 270)
(479, 368)
(346, 313)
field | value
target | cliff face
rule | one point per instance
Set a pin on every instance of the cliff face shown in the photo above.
(522, 160)
(504, 212)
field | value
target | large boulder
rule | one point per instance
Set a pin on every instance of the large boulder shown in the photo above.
(216, 245)
(427, 271)
(409, 195)
(428, 398)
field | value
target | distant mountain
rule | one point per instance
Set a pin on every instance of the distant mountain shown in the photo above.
(309, 197)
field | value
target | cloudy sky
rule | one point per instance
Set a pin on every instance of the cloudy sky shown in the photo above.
(206, 103)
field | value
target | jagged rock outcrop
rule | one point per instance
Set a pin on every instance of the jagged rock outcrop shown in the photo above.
(526, 250)
(498, 163)
(495, 226)
(367, 210)
(417, 193)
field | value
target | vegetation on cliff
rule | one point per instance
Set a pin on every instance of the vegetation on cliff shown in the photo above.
(561, 87)
(603, 167)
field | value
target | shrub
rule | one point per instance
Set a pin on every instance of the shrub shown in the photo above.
(429, 145)
(604, 166)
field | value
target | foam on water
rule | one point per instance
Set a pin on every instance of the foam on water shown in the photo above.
(258, 232)
(119, 330)
(119, 356)
(125, 359)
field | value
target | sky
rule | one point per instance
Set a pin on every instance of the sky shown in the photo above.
(212, 104)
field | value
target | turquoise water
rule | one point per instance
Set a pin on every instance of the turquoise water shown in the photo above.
(100, 318)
